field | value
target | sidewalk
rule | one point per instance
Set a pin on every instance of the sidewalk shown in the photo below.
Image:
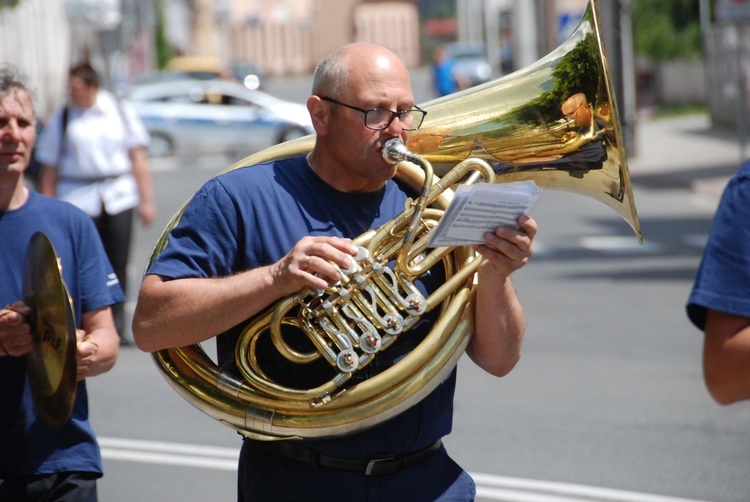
(686, 148)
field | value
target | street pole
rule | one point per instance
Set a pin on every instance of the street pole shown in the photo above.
(742, 126)
(616, 19)
(492, 34)
(627, 75)
(732, 19)
(525, 39)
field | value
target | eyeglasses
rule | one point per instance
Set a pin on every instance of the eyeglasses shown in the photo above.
(572, 112)
(380, 118)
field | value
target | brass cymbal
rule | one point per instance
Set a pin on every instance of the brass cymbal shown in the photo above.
(52, 363)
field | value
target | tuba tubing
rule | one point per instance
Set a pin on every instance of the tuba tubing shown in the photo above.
(263, 410)
(511, 129)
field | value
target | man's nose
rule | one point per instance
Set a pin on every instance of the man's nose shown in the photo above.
(395, 127)
(10, 131)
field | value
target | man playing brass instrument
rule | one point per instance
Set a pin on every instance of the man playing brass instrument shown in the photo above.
(254, 235)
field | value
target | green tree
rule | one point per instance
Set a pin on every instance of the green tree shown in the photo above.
(667, 29)
(163, 49)
(8, 3)
(578, 71)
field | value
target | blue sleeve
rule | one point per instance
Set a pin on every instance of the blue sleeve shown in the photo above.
(723, 280)
(88, 275)
(205, 241)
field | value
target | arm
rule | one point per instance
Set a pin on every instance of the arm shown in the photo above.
(48, 180)
(98, 343)
(174, 313)
(726, 357)
(142, 175)
(49, 152)
(495, 345)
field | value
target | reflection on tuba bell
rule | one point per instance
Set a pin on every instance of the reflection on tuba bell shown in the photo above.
(555, 123)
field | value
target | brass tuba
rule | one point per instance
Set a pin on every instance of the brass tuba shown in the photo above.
(511, 129)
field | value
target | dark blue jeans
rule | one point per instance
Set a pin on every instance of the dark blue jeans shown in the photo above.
(266, 478)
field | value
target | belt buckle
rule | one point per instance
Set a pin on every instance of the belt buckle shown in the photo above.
(372, 463)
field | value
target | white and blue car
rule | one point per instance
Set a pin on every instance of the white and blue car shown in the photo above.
(215, 116)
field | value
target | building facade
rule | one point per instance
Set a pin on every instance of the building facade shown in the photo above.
(288, 36)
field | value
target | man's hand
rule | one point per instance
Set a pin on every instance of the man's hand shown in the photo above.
(313, 262)
(87, 350)
(508, 249)
(15, 333)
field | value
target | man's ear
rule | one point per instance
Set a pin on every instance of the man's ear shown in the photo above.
(319, 113)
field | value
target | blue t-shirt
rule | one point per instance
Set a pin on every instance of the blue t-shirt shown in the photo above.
(251, 217)
(27, 444)
(723, 280)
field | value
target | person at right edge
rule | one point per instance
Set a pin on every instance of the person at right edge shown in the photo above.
(258, 234)
(719, 303)
(93, 154)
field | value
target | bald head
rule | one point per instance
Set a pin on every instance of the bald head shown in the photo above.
(573, 102)
(333, 73)
(576, 108)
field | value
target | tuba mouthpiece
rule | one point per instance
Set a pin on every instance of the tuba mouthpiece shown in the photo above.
(395, 151)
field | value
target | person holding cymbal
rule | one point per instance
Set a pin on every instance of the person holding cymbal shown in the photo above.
(42, 459)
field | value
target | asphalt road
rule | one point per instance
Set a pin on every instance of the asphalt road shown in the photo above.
(607, 403)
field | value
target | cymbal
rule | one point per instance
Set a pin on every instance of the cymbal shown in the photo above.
(52, 363)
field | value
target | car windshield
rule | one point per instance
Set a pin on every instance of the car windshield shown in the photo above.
(467, 51)
(202, 92)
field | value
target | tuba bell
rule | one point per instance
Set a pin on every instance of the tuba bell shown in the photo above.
(555, 123)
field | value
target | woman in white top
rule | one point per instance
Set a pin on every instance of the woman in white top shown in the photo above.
(93, 155)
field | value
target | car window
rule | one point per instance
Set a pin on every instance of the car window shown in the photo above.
(207, 98)
(237, 101)
(467, 51)
(171, 99)
(201, 93)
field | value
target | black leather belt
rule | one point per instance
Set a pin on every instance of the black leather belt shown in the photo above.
(90, 179)
(373, 467)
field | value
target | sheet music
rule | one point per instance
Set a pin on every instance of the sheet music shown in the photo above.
(482, 207)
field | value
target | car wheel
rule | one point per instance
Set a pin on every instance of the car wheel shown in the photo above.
(160, 146)
(291, 133)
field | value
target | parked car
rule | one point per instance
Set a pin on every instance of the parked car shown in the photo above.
(469, 62)
(194, 116)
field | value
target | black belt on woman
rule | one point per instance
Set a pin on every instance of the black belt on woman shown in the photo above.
(372, 467)
(90, 179)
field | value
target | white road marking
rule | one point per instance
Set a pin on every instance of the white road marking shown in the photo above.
(489, 486)
(508, 489)
(612, 244)
(695, 240)
(157, 452)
